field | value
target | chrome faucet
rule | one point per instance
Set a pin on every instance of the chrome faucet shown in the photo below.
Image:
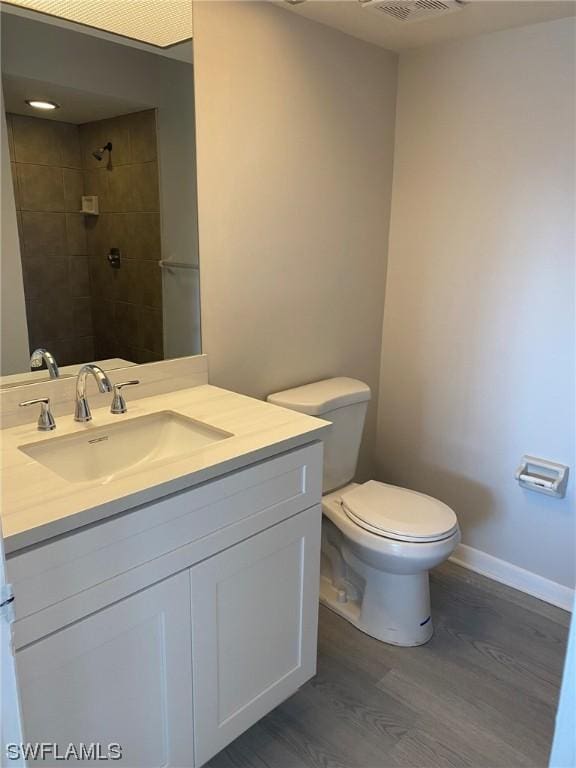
(82, 411)
(42, 355)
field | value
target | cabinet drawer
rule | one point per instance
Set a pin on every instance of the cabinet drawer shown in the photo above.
(131, 550)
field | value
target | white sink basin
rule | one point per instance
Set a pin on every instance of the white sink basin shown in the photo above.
(100, 454)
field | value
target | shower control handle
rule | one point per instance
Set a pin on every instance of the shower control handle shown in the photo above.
(114, 258)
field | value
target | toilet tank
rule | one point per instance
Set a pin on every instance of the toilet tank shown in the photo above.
(343, 402)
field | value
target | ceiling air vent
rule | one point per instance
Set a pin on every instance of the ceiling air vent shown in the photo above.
(413, 10)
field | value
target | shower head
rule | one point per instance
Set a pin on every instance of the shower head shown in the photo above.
(99, 153)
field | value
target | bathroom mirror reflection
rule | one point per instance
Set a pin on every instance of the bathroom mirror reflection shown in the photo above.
(98, 148)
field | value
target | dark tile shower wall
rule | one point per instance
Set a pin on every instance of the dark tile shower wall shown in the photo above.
(126, 302)
(48, 187)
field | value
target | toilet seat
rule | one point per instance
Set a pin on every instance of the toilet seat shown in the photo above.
(398, 513)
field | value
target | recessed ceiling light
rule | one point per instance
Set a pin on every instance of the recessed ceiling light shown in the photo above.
(39, 104)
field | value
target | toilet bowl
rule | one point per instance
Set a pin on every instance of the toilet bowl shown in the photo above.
(379, 541)
(378, 583)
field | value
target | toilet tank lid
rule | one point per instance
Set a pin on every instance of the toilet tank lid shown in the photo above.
(322, 396)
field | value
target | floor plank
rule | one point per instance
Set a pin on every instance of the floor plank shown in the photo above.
(481, 694)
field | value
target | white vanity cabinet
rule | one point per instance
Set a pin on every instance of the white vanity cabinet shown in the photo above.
(254, 626)
(119, 676)
(172, 628)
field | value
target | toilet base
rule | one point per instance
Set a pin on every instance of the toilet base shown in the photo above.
(381, 627)
(391, 607)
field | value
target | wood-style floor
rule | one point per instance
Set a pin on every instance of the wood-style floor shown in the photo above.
(481, 694)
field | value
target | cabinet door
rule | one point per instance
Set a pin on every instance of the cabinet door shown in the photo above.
(122, 675)
(254, 628)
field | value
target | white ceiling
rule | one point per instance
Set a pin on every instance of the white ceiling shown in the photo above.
(75, 106)
(180, 51)
(155, 22)
(475, 18)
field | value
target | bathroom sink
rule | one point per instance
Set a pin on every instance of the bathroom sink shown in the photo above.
(102, 453)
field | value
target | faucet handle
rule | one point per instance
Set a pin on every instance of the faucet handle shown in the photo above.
(118, 401)
(46, 421)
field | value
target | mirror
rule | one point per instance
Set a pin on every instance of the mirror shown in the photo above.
(98, 148)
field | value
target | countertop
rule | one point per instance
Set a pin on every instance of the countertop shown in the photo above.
(37, 504)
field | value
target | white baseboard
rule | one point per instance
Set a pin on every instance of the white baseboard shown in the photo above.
(513, 576)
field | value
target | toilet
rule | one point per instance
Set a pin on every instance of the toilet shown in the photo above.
(378, 541)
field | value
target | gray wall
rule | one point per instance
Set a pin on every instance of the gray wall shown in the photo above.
(294, 141)
(478, 349)
(14, 354)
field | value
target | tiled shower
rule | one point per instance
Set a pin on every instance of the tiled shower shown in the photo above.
(77, 304)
